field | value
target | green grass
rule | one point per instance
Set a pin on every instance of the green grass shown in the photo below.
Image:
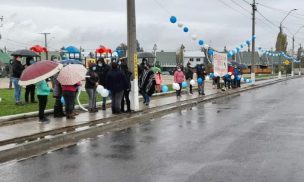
(8, 106)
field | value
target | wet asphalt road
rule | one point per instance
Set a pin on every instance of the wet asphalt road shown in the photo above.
(255, 136)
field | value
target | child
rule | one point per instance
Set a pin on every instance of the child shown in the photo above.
(43, 91)
(179, 77)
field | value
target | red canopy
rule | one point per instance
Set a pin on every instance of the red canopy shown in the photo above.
(103, 50)
(38, 49)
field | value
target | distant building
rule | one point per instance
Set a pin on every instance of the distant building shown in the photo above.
(194, 57)
(167, 60)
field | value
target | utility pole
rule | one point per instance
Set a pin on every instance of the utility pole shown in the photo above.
(132, 53)
(254, 9)
(292, 55)
(45, 44)
(1, 25)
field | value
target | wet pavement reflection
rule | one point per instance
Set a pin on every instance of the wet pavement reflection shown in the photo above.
(254, 136)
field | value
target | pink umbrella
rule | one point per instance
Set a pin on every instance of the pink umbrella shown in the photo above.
(72, 74)
(39, 71)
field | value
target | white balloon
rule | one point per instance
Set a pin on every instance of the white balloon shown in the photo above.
(194, 37)
(232, 77)
(180, 25)
(192, 82)
(229, 73)
(99, 89)
(207, 77)
(104, 93)
(206, 46)
(175, 86)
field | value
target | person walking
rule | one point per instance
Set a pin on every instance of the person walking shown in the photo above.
(69, 94)
(57, 94)
(189, 77)
(43, 91)
(10, 74)
(158, 81)
(147, 84)
(125, 98)
(90, 86)
(201, 73)
(102, 71)
(30, 89)
(17, 71)
(116, 84)
(179, 77)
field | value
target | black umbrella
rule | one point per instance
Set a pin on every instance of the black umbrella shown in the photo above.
(25, 53)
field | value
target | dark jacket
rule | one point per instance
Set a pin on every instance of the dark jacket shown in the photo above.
(200, 72)
(128, 74)
(189, 73)
(92, 79)
(57, 90)
(17, 69)
(147, 82)
(116, 81)
(102, 72)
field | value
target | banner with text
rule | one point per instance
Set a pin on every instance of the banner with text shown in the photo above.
(220, 63)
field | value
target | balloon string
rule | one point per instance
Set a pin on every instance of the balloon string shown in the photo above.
(78, 100)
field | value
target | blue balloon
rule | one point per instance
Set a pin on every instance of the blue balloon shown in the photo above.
(248, 42)
(210, 51)
(253, 37)
(184, 84)
(186, 29)
(200, 81)
(62, 100)
(229, 54)
(238, 78)
(234, 51)
(165, 88)
(242, 46)
(201, 42)
(238, 49)
(173, 19)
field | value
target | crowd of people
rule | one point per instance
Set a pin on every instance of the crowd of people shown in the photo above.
(116, 78)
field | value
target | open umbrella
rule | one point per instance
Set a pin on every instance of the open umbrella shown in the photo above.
(38, 49)
(25, 53)
(155, 69)
(39, 71)
(72, 74)
(70, 61)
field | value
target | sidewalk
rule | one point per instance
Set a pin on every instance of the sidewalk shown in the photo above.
(19, 135)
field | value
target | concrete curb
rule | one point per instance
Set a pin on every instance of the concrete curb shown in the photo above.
(43, 145)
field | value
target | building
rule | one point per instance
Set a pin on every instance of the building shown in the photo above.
(166, 60)
(194, 57)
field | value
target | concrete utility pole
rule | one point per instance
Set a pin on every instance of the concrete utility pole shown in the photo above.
(254, 9)
(45, 44)
(132, 53)
(292, 55)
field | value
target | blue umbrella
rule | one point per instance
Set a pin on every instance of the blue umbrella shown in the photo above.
(70, 61)
(72, 49)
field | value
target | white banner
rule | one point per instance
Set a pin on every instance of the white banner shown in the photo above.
(220, 64)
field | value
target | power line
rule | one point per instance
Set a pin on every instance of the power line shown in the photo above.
(240, 6)
(232, 8)
(267, 19)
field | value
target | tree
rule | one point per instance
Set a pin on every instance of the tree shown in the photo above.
(138, 48)
(180, 55)
(281, 44)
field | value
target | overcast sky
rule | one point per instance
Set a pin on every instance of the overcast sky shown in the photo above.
(90, 23)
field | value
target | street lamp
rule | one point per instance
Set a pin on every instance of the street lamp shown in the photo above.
(293, 41)
(285, 18)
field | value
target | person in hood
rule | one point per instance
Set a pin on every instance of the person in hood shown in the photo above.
(30, 89)
(201, 73)
(116, 83)
(147, 84)
(125, 98)
(102, 71)
(179, 77)
(17, 71)
(90, 86)
(189, 77)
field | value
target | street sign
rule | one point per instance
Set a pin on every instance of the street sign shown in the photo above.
(135, 67)
(286, 62)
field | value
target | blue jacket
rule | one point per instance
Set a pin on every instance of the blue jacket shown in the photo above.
(43, 88)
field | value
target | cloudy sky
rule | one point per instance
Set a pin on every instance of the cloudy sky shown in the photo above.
(91, 23)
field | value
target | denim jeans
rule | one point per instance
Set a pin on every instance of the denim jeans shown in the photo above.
(17, 89)
(146, 98)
